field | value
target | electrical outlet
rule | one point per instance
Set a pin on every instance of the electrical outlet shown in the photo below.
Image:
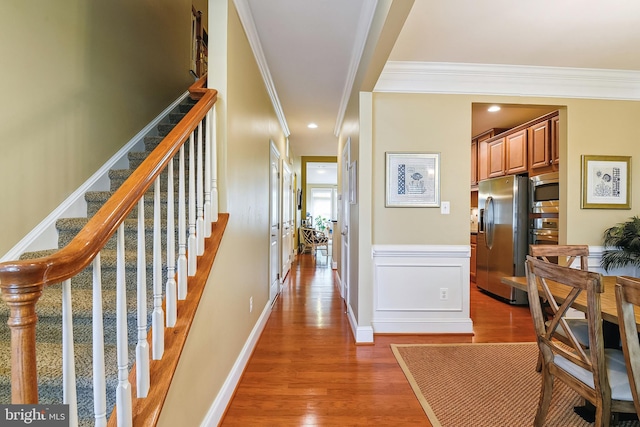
(444, 294)
(250, 304)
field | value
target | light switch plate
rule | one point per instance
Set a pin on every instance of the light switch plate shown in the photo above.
(445, 208)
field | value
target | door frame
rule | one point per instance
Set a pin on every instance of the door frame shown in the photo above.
(344, 226)
(288, 227)
(274, 226)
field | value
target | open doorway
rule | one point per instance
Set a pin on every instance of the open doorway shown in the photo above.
(320, 197)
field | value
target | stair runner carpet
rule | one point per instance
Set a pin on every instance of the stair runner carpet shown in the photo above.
(49, 307)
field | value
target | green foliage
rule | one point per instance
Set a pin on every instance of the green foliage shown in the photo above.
(624, 241)
(321, 222)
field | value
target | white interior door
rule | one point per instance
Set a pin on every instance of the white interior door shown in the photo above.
(344, 231)
(274, 222)
(287, 220)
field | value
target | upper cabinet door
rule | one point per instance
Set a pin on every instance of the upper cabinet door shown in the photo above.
(555, 142)
(539, 145)
(516, 152)
(496, 154)
(474, 162)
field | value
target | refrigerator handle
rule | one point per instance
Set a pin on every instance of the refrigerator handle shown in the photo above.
(489, 222)
(481, 221)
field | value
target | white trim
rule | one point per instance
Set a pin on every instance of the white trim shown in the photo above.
(249, 25)
(362, 334)
(492, 79)
(222, 400)
(432, 251)
(362, 31)
(428, 326)
(407, 281)
(45, 235)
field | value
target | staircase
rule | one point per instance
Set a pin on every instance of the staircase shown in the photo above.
(49, 326)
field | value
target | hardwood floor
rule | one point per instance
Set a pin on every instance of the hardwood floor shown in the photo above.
(307, 371)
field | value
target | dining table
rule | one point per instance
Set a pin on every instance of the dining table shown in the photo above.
(607, 298)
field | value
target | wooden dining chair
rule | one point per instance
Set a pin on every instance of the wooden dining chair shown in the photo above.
(597, 375)
(627, 298)
(565, 255)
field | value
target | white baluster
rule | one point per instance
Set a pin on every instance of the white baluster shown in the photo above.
(191, 251)
(200, 195)
(142, 346)
(69, 395)
(214, 165)
(157, 317)
(99, 379)
(171, 297)
(182, 232)
(207, 176)
(123, 391)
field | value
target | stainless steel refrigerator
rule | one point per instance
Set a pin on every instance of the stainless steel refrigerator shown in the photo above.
(502, 235)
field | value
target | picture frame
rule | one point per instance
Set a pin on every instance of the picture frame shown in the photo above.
(606, 182)
(353, 185)
(412, 179)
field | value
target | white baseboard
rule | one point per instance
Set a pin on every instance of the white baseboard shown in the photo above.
(44, 235)
(362, 334)
(219, 405)
(426, 326)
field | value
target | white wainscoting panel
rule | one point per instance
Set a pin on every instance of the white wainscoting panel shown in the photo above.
(421, 289)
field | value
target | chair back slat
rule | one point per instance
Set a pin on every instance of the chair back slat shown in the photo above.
(564, 255)
(627, 298)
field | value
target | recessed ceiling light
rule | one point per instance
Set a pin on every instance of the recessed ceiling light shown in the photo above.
(312, 126)
(493, 109)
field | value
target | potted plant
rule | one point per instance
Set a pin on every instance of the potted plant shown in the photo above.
(321, 223)
(622, 245)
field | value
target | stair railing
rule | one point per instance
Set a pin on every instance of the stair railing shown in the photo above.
(23, 282)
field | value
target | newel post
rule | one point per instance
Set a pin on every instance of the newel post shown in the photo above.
(22, 322)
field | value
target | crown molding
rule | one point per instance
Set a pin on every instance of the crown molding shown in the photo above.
(362, 32)
(491, 79)
(246, 17)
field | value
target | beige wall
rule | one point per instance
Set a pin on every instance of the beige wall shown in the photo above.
(442, 123)
(357, 127)
(223, 322)
(71, 71)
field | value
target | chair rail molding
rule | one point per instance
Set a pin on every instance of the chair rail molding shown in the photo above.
(421, 289)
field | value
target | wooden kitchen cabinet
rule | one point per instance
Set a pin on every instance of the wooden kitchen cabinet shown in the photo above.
(516, 152)
(496, 156)
(472, 261)
(474, 162)
(555, 142)
(544, 154)
(540, 148)
(482, 161)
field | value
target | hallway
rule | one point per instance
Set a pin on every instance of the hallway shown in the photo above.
(307, 371)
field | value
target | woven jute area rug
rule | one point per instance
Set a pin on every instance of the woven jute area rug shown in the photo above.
(491, 385)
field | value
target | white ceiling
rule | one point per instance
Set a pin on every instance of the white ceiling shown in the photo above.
(310, 48)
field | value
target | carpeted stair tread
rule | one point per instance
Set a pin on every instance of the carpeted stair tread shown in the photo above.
(68, 228)
(50, 303)
(49, 365)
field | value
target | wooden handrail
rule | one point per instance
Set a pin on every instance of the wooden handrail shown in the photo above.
(198, 89)
(22, 282)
